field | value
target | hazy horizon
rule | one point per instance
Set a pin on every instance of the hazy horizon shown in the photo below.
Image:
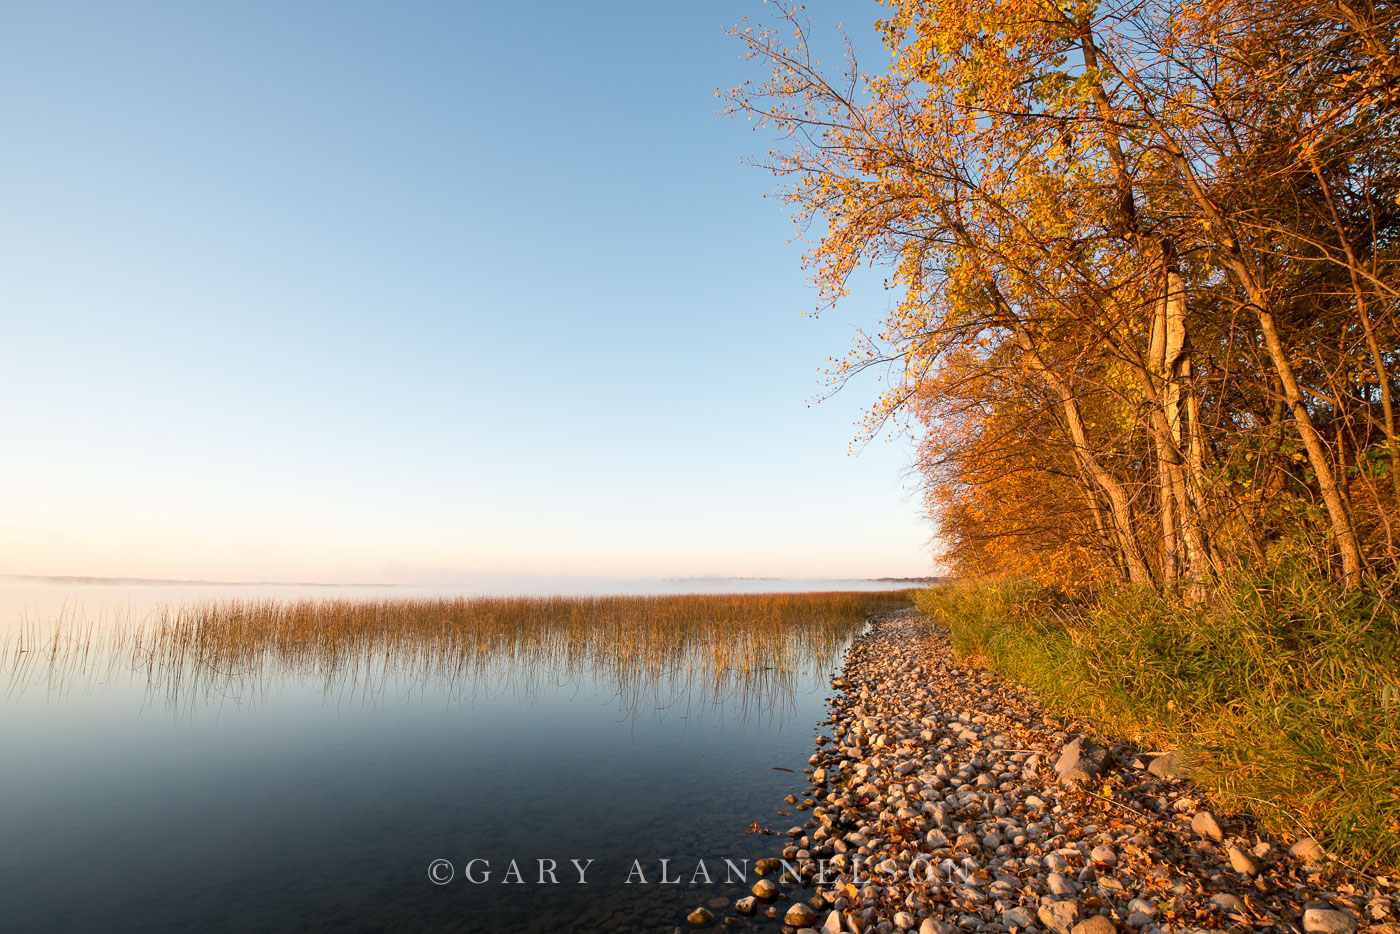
(36, 604)
(88, 579)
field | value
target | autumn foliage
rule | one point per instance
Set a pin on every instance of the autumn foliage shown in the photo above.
(1145, 260)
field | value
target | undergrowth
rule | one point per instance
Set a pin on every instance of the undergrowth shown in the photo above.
(1285, 691)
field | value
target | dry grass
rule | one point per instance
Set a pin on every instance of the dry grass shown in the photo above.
(650, 650)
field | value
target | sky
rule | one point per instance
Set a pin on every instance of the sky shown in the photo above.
(386, 292)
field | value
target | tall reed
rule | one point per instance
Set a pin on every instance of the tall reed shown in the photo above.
(649, 650)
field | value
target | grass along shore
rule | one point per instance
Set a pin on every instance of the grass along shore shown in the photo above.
(1284, 694)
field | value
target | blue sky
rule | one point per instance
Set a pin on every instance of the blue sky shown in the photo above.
(372, 291)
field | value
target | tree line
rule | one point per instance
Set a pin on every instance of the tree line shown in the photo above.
(1143, 255)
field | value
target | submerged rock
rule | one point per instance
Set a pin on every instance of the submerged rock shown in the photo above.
(700, 916)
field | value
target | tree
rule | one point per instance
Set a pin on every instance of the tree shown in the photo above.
(1143, 217)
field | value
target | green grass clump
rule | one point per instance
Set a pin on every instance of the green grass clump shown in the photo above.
(1286, 688)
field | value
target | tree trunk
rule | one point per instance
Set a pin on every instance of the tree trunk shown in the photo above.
(1120, 510)
(1228, 246)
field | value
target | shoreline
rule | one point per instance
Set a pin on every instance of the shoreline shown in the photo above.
(971, 809)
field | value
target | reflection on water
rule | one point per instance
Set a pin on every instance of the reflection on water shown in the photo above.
(110, 600)
(299, 764)
(650, 652)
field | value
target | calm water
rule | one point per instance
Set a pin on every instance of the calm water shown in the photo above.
(297, 804)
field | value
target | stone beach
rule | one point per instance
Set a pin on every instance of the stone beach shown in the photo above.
(943, 799)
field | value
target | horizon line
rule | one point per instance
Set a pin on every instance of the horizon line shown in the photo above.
(90, 579)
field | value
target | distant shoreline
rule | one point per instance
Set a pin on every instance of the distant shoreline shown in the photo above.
(82, 579)
(78, 579)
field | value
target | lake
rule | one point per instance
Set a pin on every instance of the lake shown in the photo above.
(520, 793)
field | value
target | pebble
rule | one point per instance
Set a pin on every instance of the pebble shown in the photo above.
(1098, 924)
(1139, 906)
(1243, 863)
(1170, 763)
(1328, 921)
(1103, 856)
(800, 916)
(1059, 917)
(938, 778)
(700, 916)
(1204, 823)
(1015, 918)
(1227, 902)
(1081, 761)
(1308, 850)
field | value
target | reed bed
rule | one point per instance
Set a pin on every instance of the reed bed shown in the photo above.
(651, 652)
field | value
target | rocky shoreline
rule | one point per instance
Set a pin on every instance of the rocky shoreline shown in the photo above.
(944, 799)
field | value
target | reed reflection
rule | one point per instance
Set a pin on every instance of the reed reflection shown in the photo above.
(740, 655)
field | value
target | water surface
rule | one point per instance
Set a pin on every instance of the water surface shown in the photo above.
(296, 802)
